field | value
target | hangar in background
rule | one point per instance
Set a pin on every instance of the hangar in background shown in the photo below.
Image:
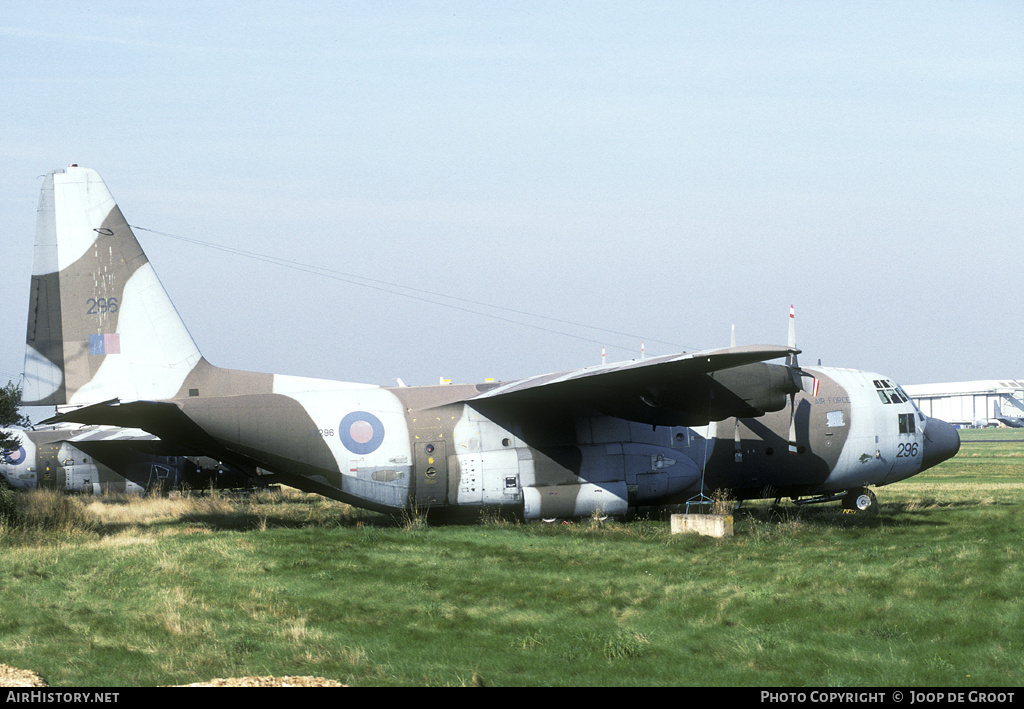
(979, 403)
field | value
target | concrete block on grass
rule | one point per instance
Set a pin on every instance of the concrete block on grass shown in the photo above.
(708, 525)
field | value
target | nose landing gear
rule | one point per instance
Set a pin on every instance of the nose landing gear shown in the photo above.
(860, 500)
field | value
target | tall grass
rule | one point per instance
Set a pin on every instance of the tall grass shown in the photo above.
(43, 515)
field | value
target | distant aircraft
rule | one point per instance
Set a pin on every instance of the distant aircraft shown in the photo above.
(105, 340)
(96, 460)
(1011, 421)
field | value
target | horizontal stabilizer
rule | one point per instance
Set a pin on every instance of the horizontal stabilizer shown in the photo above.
(161, 419)
(94, 434)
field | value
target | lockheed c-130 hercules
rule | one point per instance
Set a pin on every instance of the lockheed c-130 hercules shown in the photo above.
(106, 345)
(94, 460)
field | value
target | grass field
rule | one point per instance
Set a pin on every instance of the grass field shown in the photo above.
(169, 591)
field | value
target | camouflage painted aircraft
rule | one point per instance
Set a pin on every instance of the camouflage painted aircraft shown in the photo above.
(106, 344)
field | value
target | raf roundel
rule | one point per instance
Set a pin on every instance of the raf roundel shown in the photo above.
(361, 432)
(16, 457)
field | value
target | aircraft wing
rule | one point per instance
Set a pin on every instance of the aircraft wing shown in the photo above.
(674, 390)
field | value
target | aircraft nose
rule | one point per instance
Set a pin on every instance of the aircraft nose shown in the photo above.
(941, 442)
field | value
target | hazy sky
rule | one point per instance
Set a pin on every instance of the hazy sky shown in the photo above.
(660, 170)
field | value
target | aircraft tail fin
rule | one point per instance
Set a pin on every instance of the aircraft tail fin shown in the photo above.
(100, 324)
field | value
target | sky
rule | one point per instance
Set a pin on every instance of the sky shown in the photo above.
(495, 190)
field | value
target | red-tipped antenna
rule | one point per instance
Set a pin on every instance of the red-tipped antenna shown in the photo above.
(791, 359)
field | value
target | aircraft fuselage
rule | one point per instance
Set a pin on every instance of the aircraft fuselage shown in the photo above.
(391, 448)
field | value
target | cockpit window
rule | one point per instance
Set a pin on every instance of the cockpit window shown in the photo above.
(889, 393)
